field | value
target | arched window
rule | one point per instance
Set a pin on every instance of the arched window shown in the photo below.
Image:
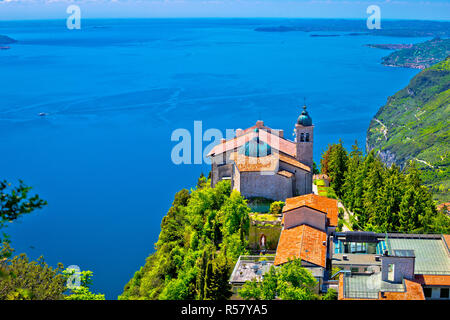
(302, 137)
(307, 137)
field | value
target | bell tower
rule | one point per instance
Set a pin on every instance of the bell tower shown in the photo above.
(304, 138)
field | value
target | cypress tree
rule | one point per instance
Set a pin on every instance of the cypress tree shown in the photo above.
(208, 286)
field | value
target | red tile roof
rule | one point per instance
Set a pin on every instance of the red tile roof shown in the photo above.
(447, 240)
(442, 205)
(319, 203)
(413, 291)
(302, 242)
(276, 142)
(433, 280)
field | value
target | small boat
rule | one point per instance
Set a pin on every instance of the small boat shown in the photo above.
(43, 114)
(5, 48)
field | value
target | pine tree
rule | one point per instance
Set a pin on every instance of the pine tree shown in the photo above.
(337, 167)
(390, 199)
(355, 159)
(408, 214)
(358, 191)
(371, 186)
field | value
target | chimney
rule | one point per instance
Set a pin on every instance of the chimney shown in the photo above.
(281, 133)
(239, 132)
(259, 124)
(223, 140)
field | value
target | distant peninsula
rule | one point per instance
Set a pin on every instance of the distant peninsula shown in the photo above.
(391, 28)
(6, 40)
(390, 46)
(418, 56)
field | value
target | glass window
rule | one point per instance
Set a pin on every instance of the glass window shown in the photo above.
(444, 293)
(307, 137)
(302, 137)
(427, 292)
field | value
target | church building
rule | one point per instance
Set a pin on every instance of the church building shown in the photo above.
(260, 162)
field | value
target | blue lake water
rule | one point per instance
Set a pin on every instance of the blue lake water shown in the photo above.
(115, 91)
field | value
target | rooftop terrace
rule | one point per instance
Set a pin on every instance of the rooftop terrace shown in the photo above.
(368, 286)
(251, 267)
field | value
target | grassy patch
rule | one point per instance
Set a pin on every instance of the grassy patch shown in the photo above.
(257, 216)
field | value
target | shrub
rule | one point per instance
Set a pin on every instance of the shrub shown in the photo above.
(276, 207)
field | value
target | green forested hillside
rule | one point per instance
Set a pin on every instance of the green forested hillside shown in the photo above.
(201, 238)
(414, 126)
(420, 55)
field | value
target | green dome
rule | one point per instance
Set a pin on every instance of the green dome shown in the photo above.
(304, 119)
(255, 148)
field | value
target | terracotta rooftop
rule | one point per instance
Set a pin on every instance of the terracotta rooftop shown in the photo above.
(413, 291)
(442, 205)
(433, 280)
(302, 242)
(276, 142)
(313, 201)
(447, 240)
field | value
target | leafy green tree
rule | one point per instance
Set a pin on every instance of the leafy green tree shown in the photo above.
(330, 295)
(82, 292)
(315, 169)
(201, 236)
(325, 160)
(202, 181)
(252, 290)
(30, 280)
(16, 201)
(291, 281)
(276, 207)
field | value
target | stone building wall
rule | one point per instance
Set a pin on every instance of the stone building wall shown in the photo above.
(303, 179)
(275, 186)
(403, 268)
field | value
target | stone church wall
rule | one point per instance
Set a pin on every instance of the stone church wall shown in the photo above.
(275, 186)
